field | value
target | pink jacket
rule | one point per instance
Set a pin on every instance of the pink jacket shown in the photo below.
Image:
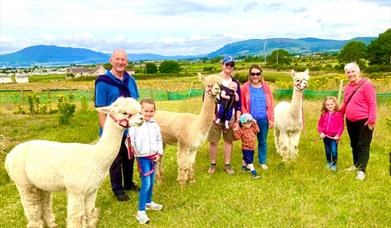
(331, 124)
(363, 103)
(245, 96)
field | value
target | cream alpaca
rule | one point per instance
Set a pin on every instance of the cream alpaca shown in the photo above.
(288, 119)
(40, 167)
(189, 131)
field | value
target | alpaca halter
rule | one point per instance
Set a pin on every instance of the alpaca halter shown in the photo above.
(298, 86)
(124, 122)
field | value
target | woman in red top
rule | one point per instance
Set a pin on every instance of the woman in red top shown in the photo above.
(330, 127)
(257, 100)
(359, 107)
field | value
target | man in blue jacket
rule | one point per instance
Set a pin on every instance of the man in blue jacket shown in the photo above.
(108, 87)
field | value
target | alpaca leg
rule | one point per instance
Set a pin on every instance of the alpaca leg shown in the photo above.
(182, 156)
(159, 171)
(92, 213)
(295, 139)
(76, 210)
(47, 212)
(277, 139)
(159, 175)
(31, 198)
(191, 171)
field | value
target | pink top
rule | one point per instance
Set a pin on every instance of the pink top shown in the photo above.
(331, 124)
(363, 103)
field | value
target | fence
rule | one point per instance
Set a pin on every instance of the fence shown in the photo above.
(46, 96)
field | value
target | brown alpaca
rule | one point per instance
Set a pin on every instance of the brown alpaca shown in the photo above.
(188, 131)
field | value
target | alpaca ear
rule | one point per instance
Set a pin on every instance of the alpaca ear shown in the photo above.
(306, 71)
(105, 109)
(293, 73)
(201, 77)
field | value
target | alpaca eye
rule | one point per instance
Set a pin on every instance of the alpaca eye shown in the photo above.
(125, 113)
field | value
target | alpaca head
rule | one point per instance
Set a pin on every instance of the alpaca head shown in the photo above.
(300, 80)
(125, 111)
(211, 83)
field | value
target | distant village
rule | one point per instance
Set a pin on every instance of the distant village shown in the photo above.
(21, 76)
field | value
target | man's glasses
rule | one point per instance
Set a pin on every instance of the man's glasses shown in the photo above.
(229, 64)
(256, 74)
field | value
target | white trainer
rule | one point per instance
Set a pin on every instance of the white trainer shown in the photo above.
(360, 175)
(142, 217)
(264, 167)
(154, 206)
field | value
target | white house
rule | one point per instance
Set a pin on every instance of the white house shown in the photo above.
(81, 71)
(5, 78)
(21, 78)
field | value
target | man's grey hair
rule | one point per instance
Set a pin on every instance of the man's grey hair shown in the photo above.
(352, 66)
(119, 51)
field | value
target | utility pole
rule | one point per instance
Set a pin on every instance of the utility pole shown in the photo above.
(264, 52)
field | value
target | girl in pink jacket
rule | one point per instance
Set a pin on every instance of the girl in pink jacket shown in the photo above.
(330, 127)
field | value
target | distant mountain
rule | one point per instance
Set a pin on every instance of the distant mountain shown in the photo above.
(299, 46)
(45, 55)
(52, 55)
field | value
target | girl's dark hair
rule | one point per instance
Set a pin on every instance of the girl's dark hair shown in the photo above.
(148, 101)
(255, 66)
(324, 109)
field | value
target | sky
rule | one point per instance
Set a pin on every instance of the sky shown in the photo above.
(182, 27)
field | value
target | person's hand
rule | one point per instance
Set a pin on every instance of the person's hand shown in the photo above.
(235, 128)
(157, 158)
(370, 126)
(271, 124)
(336, 137)
(236, 125)
(322, 135)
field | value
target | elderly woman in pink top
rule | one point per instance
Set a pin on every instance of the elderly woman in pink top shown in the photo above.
(330, 127)
(359, 107)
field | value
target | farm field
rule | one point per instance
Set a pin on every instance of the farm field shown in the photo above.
(298, 194)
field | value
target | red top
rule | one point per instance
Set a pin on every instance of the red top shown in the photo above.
(248, 136)
(245, 96)
(331, 124)
(363, 103)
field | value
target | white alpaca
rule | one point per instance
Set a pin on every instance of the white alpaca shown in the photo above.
(40, 167)
(189, 131)
(288, 119)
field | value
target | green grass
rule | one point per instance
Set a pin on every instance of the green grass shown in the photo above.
(298, 194)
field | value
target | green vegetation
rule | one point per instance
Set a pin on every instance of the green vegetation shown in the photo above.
(303, 193)
(169, 66)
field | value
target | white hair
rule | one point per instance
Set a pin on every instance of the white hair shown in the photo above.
(352, 66)
(119, 51)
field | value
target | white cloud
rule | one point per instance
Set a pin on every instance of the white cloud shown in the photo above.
(185, 26)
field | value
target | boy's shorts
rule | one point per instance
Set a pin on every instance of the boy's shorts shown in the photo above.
(215, 132)
(248, 156)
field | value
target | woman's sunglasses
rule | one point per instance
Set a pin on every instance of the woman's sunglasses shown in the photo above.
(255, 74)
(229, 64)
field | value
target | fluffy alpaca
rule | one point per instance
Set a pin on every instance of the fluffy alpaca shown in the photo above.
(288, 119)
(189, 131)
(40, 167)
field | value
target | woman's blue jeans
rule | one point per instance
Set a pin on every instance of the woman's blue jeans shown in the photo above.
(263, 125)
(331, 148)
(145, 194)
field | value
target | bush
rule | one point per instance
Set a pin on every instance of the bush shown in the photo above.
(169, 66)
(150, 68)
(66, 109)
(378, 68)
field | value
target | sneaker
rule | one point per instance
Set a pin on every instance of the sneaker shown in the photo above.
(228, 169)
(121, 196)
(360, 176)
(264, 167)
(351, 168)
(153, 206)
(255, 175)
(333, 168)
(245, 168)
(133, 188)
(142, 217)
(212, 169)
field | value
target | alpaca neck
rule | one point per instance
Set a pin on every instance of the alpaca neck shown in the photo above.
(205, 118)
(296, 104)
(108, 145)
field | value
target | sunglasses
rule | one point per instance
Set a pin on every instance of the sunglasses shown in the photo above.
(229, 64)
(255, 74)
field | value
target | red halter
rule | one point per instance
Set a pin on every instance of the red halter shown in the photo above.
(124, 122)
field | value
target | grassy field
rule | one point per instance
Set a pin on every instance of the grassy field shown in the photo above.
(299, 194)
